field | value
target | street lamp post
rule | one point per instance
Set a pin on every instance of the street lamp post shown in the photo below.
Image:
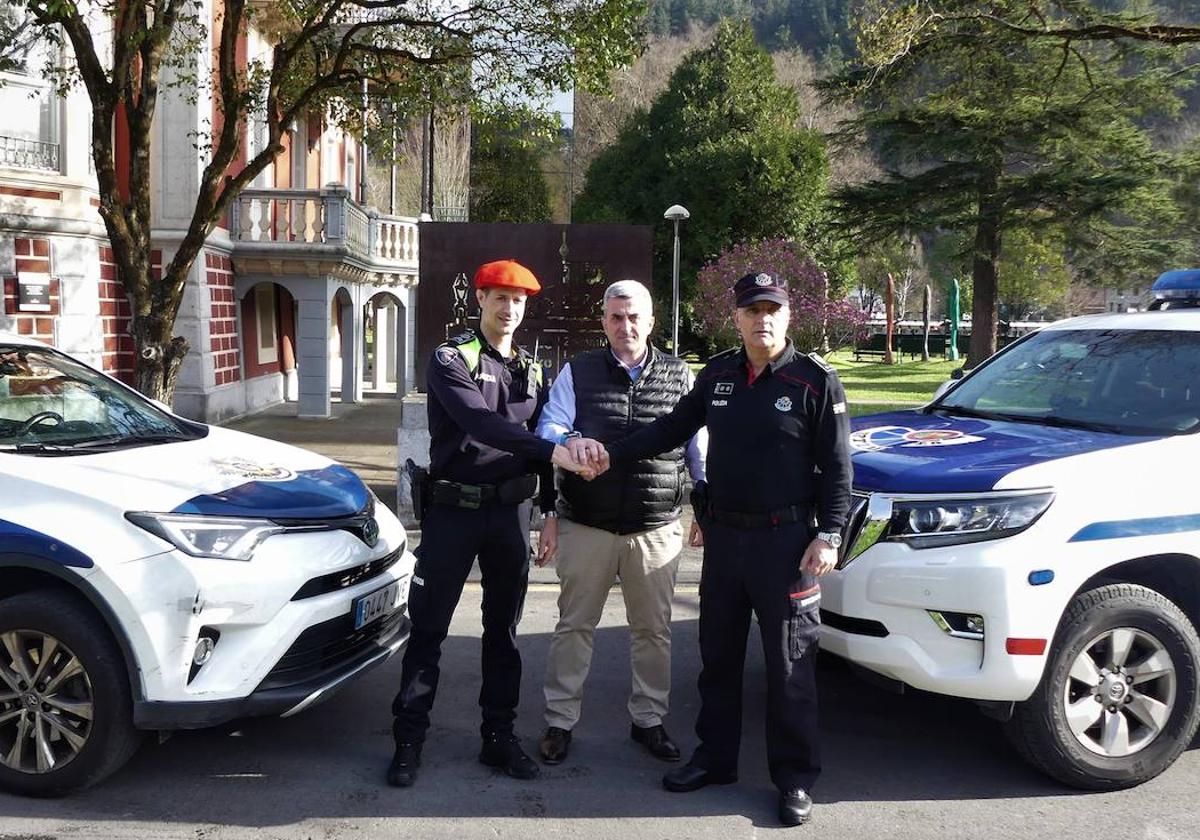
(675, 213)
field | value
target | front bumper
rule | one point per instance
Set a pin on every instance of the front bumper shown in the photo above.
(877, 615)
(274, 697)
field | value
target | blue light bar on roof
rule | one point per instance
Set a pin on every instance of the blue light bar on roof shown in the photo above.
(1180, 283)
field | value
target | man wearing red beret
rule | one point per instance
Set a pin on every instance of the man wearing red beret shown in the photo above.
(486, 464)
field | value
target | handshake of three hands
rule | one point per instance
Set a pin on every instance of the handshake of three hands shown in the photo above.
(582, 455)
(588, 458)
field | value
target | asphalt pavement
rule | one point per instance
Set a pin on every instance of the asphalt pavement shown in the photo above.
(910, 767)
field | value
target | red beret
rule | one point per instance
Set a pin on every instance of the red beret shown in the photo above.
(507, 274)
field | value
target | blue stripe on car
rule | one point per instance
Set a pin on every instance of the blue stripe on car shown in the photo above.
(1149, 527)
(17, 539)
(312, 494)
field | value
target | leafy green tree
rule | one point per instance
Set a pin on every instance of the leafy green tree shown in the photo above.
(507, 183)
(990, 130)
(723, 140)
(127, 53)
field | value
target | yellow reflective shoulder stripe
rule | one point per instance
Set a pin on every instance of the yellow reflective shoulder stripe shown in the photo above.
(470, 352)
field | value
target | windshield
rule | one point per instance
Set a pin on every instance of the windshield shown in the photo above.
(1135, 382)
(50, 403)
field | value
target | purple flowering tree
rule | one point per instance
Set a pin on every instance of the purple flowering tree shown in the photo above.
(817, 322)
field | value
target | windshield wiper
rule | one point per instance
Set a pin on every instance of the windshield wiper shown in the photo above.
(121, 441)
(1089, 425)
(963, 411)
(37, 448)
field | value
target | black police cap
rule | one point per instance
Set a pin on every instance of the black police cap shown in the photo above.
(760, 286)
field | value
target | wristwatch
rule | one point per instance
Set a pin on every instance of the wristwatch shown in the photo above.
(550, 514)
(831, 537)
(566, 436)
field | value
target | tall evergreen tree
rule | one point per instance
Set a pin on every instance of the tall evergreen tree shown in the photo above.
(723, 140)
(989, 130)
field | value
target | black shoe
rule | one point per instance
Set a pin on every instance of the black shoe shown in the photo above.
(690, 777)
(403, 770)
(656, 740)
(503, 750)
(555, 744)
(795, 806)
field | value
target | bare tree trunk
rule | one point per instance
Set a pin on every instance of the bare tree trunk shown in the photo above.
(890, 304)
(926, 306)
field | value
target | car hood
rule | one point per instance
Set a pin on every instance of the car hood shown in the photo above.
(225, 473)
(912, 452)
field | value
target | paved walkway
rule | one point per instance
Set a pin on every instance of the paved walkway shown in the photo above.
(363, 437)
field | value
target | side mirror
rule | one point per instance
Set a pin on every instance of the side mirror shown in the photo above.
(956, 374)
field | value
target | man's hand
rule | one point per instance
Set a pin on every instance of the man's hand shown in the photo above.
(562, 458)
(585, 451)
(819, 558)
(696, 537)
(547, 542)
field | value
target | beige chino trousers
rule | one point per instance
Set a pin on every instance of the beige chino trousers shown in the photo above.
(589, 559)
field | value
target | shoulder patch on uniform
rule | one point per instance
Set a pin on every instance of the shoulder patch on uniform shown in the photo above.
(446, 354)
(821, 363)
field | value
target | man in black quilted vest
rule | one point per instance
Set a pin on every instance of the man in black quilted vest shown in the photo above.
(624, 525)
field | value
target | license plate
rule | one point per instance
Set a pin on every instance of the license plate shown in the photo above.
(375, 604)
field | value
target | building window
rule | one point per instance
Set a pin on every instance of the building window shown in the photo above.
(268, 339)
(29, 134)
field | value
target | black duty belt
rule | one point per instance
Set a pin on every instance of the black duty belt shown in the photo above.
(511, 492)
(782, 516)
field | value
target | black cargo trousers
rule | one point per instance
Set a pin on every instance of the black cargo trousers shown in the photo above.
(758, 570)
(451, 539)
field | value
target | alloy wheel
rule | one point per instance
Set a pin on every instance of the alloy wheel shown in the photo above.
(1120, 692)
(46, 702)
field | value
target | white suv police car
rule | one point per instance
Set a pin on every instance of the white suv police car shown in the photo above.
(159, 574)
(1031, 540)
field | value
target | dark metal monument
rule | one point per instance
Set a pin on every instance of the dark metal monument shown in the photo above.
(574, 263)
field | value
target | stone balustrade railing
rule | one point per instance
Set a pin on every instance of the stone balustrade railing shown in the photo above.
(323, 217)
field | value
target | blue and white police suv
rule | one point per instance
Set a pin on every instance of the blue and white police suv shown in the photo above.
(1031, 540)
(160, 574)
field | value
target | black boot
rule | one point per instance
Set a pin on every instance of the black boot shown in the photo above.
(795, 807)
(403, 770)
(503, 750)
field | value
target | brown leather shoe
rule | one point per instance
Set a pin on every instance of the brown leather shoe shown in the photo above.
(656, 740)
(554, 745)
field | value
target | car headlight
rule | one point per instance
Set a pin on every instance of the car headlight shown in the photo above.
(218, 537)
(937, 522)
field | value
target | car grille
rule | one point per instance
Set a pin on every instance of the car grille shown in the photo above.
(346, 578)
(856, 626)
(331, 646)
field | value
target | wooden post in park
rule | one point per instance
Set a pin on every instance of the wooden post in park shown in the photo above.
(891, 319)
(925, 311)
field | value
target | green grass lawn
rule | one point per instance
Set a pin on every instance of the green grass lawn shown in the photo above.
(874, 387)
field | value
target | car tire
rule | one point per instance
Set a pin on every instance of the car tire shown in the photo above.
(75, 715)
(1100, 719)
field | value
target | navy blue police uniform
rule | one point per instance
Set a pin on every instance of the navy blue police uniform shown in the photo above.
(486, 464)
(778, 465)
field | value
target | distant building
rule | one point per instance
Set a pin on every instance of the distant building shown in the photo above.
(278, 303)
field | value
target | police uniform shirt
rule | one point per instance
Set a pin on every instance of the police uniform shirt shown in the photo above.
(768, 435)
(481, 423)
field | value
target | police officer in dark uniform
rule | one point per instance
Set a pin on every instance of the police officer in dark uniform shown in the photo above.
(778, 463)
(484, 397)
